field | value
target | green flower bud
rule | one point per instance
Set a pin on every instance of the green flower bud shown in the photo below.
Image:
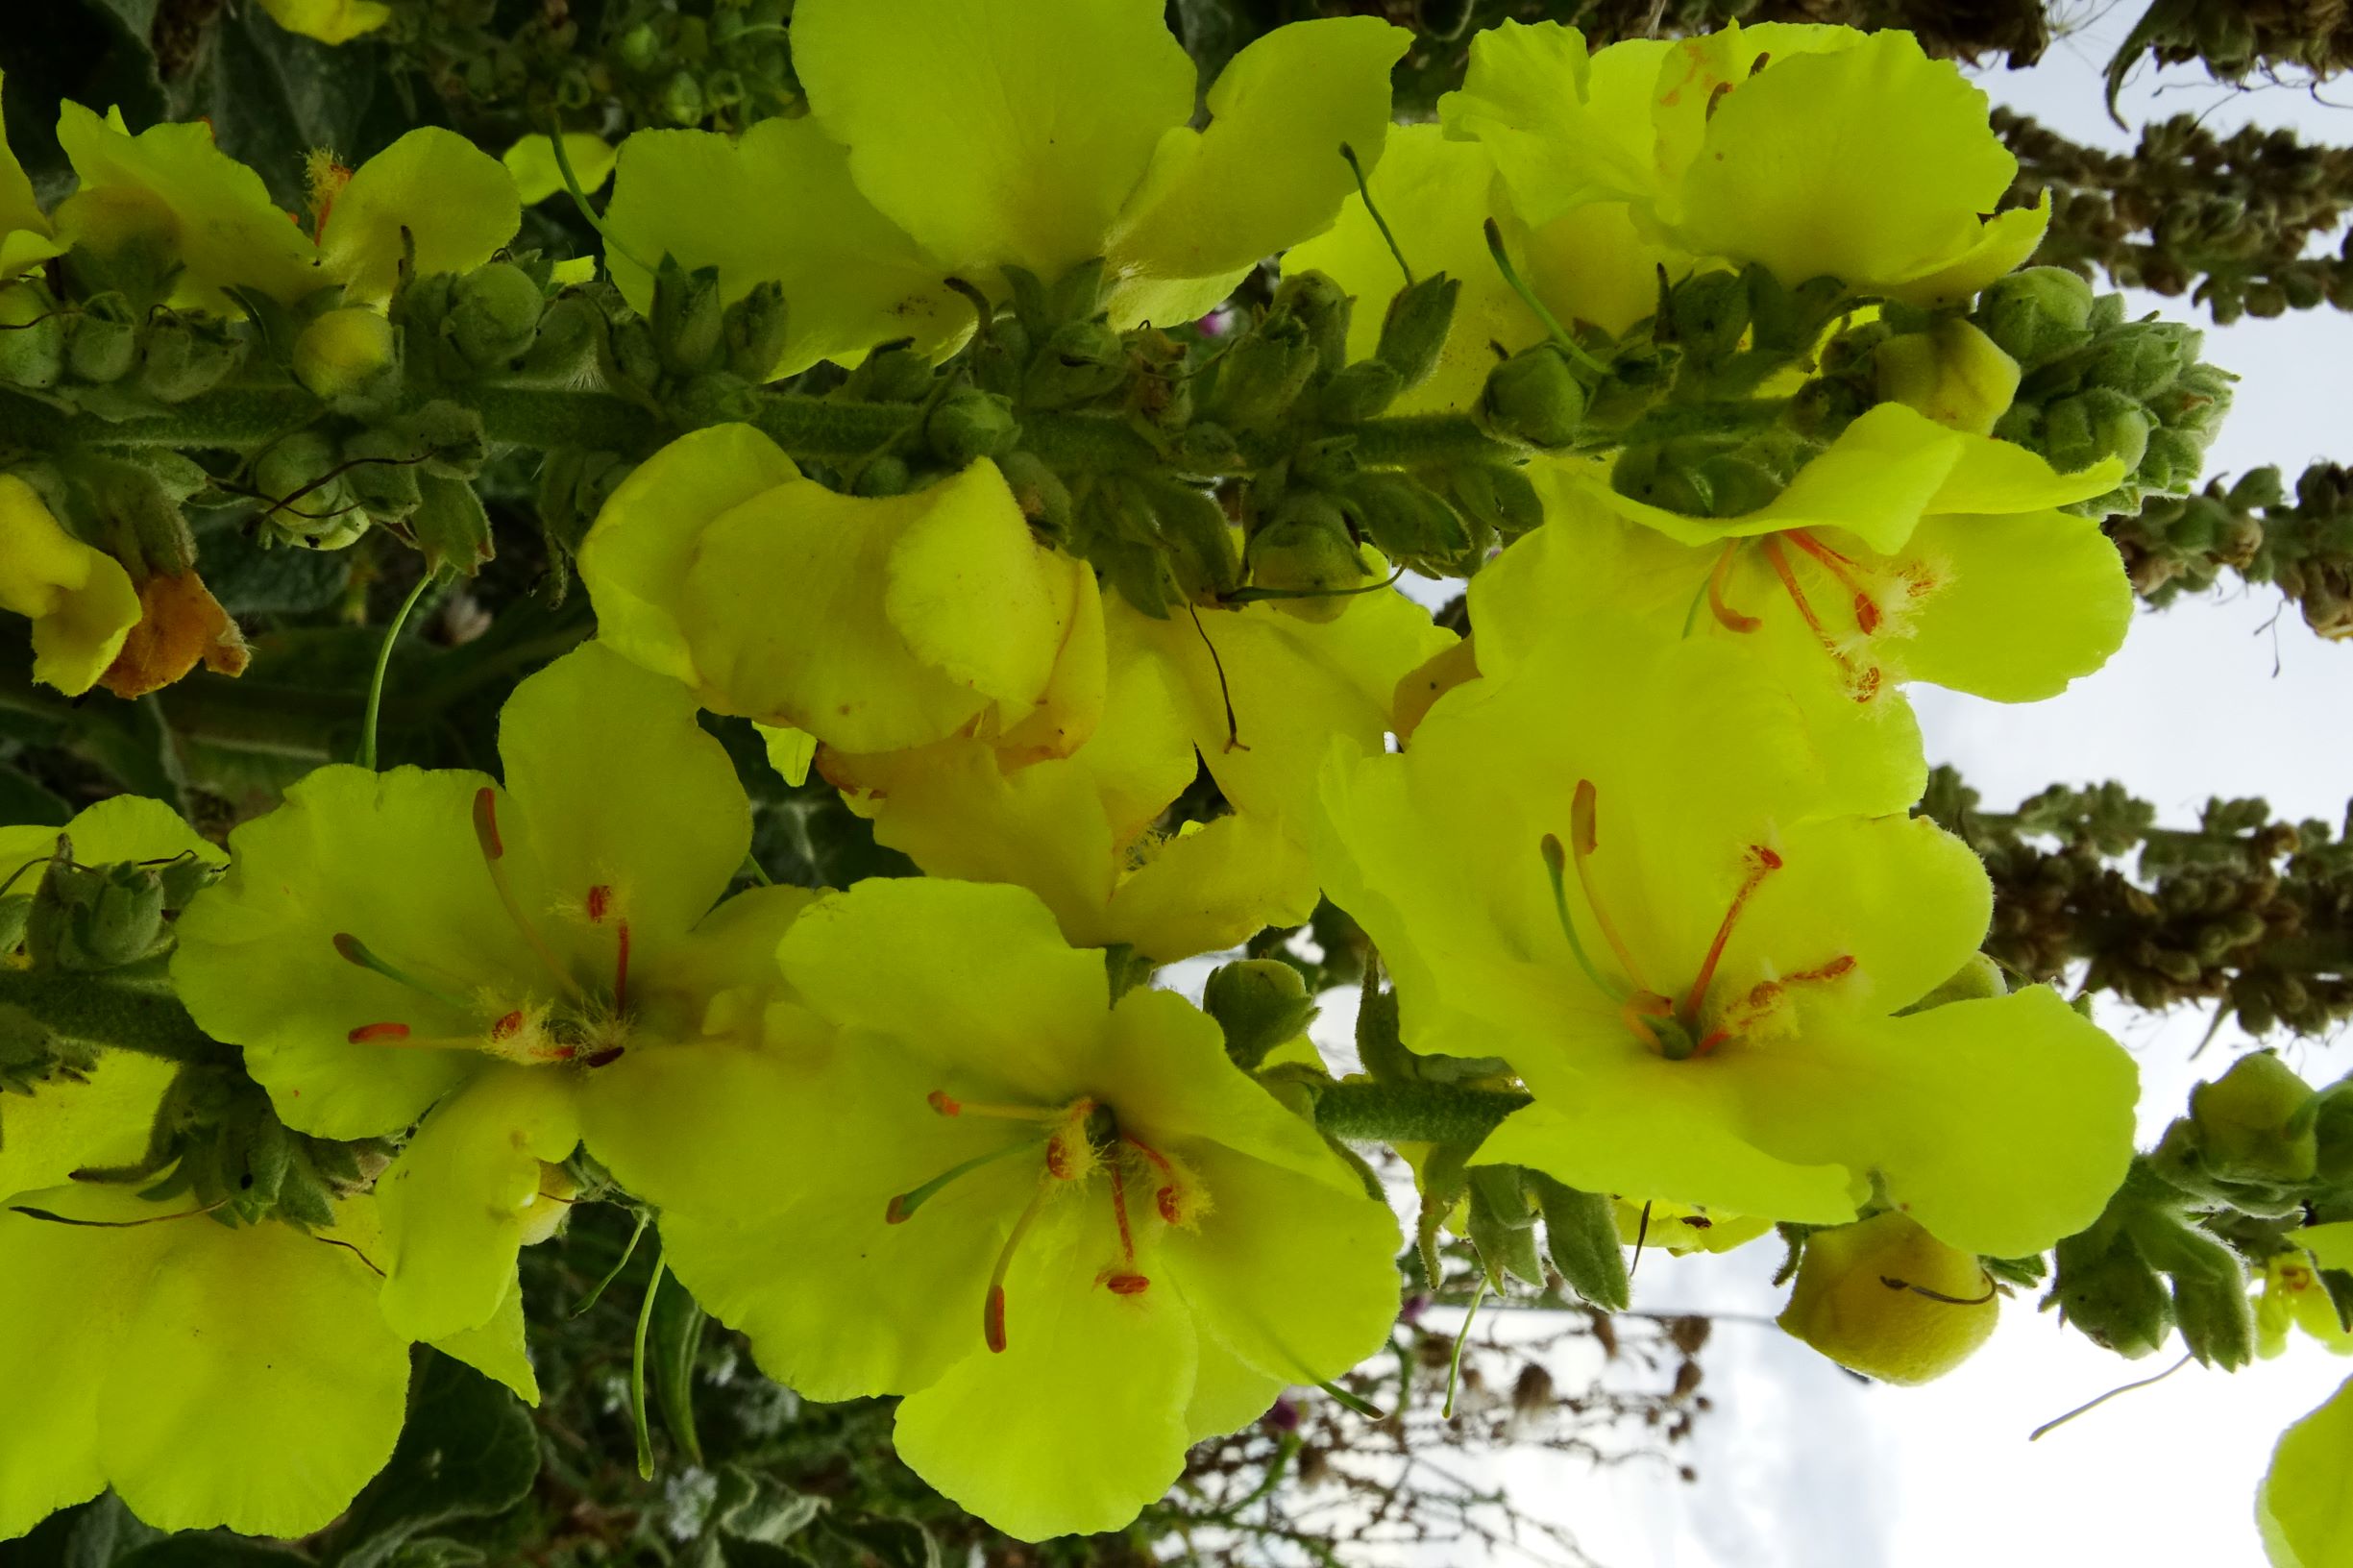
(1039, 491)
(2143, 357)
(886, 475)
(1977, 980)
(1258, 379)
(450, 526)
(1535, 397)
(896, 374)
(1581, 1236)
(565, 346)
(2095, 425)
(1078, 363)
(1407, 520)
(1261, 1003)
(1307, 554)
(688, 320)
(1199, 541)
(1707, 315)
(1885, 1298)
(754, 329)
(1504, 1225)
(968, 424)
(2108, 1290)
(182, 878)
(682, 101)
(2037, 314)
(31, 337)
(1496, 497)
(348, 357)
(184, 359)
(640, 48)
(1954, 374)
(1696, 478)
(103, 343)
(304, 506)
(494, 315)
(1360, 391)
(1323, 309)
(1413, 333)
(117, 917)
(2255, 1123)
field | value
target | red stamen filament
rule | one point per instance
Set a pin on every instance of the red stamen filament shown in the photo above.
(992, 1311)
(1731, 619)
(1797, 596)
(378, 1034)
(1166, 1199)
(1118, 1211)
(493, 852)
(948, 1105)
(1762, 863)
(1583, 841)
(1866, 608)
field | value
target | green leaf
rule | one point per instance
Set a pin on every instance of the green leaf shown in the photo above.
(93, 1535)
(1580, 1234)
(208, 1550)
(758, 1510)
(251, 578)
(469, 1451)
(893, 1543)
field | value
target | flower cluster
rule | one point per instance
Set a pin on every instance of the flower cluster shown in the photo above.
(1713, 374)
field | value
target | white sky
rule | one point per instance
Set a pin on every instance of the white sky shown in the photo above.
(1801, 1465)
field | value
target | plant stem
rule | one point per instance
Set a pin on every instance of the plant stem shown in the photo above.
(1395, 1112)
(383, 662)
(129, 1010)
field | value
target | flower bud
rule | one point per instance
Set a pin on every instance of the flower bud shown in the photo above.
(103, 344)
(1954, 374)
(1535, 397)
(2036, 315)
(1707, 315)
(112, 916)
(494, 315)
(894, 374)
(968, 424)
(1261, 1003)
(1885, 1298)
(688, 320)
(1360, 391)
(1496, 497)
(1079, 362)
(2095, 425)
(1502, 1225)
(1407, 520)
(2255, 1123)
(1261, 376)
(348, 357)
(754, 329)
(1413, 334)
(184, 359)
(1199, 542)
(31, 337)
(1323, 308)
(1039, 491)
(304, 506)
(1581, 1236)
(1307, 554)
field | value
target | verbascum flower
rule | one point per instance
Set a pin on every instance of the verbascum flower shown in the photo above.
(1074, 1236)
(330, 21)
(2294, 1295)
(1815, 150)
(211, 1374)
(957, 138)
(1588, 264)
(81, 601)
(2300, 1506)
(871, 623)
(26, 237)
(488, 964)
(431, 189)
(1620, 862)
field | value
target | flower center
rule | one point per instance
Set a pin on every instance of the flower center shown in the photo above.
(1675, 1030)
(1874, 597)
(590, 1026)
(1073, 1143)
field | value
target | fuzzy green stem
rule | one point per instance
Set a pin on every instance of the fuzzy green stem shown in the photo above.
(1393, 1113)
(129, 1010)
(384, 663)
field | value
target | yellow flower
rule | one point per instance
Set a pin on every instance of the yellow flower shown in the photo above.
(81, 600)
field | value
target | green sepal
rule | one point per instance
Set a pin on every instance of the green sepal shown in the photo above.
(1581, 1236)
(1502, 1225)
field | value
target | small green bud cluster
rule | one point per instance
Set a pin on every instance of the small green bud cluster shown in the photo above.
(2097, 386)
(2304, 545)
(108, 353)
(86, 919)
